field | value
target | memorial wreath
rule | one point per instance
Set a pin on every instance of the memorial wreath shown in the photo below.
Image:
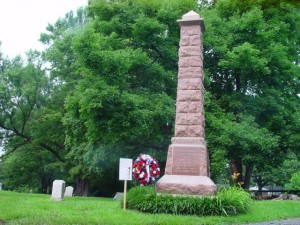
(145, 170)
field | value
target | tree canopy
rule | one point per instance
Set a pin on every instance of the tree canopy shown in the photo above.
(252, 65)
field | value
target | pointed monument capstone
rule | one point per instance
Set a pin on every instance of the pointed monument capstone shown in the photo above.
(187, 168)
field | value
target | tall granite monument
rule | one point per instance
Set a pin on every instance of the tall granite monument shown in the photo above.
(187, 167)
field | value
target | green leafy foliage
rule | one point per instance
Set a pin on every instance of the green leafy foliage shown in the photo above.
(234, 200)
(231, 201)
(294, 182)
(251, 63)
(30, 124)
(280, 174)
(124, 103)
(29, 170)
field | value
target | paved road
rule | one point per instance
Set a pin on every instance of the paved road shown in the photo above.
(280, 222)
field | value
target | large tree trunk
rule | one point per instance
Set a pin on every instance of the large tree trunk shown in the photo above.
(237, 170)
(82, 188)
(260, 183)
(248, 174)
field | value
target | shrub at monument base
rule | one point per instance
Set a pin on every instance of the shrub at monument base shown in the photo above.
(235, 200)
(231, 201)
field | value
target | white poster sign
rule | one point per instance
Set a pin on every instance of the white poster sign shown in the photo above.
(125, 169)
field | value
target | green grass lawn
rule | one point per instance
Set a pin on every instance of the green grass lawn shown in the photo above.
(20, 208)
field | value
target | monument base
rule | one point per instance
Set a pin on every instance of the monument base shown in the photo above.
(187, 185)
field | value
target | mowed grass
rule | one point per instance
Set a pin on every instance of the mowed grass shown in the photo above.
(21, 208)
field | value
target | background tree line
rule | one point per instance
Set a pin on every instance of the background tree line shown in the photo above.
(105, 88)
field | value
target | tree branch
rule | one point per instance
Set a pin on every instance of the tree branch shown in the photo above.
(56, 154)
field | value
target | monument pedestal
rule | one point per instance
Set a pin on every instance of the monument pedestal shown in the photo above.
(186, 185)
(187, 168)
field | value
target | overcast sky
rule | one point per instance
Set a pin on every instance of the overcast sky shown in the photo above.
(22, 21)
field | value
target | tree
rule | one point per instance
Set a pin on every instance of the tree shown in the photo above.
(241, 139)
(28, 170)
(252, 67)
(294, 182)
(108, 62)
(29, 120)
(124, 104)
(278, 174)
(24, 90)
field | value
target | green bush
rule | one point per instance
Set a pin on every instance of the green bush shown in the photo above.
(231, 201)
(234, 200)
(294, 182)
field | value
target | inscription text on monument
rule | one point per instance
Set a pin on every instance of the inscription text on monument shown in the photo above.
(187, 160)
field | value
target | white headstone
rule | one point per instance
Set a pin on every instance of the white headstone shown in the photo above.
(69, 191)
(118, 196)
(58, 190)
(0, 186)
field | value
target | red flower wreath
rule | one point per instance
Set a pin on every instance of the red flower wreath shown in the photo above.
(145, 170)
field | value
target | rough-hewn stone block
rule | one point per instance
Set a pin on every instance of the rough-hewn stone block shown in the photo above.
(185, 51)
(189, 72)
(189, 95)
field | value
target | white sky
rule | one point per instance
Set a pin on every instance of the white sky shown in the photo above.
(22, 21)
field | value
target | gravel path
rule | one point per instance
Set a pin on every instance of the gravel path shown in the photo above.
(280, 222)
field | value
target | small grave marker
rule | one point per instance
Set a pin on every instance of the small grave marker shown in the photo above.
(58, 190)
(118, 196)
(69, 191)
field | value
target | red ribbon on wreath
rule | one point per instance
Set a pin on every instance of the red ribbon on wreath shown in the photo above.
(145, 170)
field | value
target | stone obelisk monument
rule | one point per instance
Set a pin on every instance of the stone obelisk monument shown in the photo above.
(187, 167)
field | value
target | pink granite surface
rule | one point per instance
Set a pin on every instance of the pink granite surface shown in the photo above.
(187, 166)
(186, 185)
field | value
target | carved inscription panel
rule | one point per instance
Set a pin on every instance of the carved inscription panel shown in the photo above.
(188, 160)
